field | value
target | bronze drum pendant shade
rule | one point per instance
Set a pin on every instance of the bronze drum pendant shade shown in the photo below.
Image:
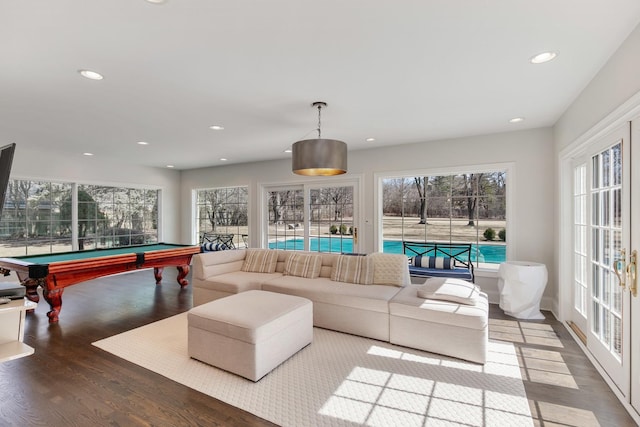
(323, 157)
(319, 157)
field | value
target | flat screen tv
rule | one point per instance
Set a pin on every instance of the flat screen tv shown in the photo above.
(6, 158)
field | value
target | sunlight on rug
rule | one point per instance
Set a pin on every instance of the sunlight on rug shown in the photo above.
(344, 380)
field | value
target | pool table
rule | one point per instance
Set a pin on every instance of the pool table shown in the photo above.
(54, 272)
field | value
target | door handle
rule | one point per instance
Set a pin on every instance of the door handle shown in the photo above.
(632, 271)
(355, 235)
(621, 272)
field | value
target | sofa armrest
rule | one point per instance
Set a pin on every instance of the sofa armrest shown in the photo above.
(208, 264)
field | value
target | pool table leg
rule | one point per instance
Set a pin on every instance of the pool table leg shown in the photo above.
(183, 270)
(54, 298)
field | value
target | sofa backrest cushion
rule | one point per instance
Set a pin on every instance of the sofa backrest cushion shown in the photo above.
(303, 265)
(352, 269)
(390, 269)
(260, 261)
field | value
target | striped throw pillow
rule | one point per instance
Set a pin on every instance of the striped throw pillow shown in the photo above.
(442, 263)
(303, 265)
(352, 269)
(260, 261)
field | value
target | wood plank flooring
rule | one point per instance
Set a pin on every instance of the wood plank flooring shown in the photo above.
(69, 382)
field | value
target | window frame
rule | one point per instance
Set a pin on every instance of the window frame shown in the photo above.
(243, 238)
(73, 193)
(508, 167)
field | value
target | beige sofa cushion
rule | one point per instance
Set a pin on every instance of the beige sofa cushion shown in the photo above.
(303, 265)
(450, 289)
(407, 303)
(390, 269)
(353, 269)
(325, 290)
(235, 282)
(260, 261)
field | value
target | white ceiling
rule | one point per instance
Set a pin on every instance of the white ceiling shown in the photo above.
(399, 71)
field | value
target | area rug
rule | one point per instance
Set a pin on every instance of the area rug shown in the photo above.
(344, 380)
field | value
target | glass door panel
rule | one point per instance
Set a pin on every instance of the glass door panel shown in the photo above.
(609, 231)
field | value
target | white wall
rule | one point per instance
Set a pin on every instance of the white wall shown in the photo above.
(615, 83)
(609, 98)
(48, 165)
(531, 152)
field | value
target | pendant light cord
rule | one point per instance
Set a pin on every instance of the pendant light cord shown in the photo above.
(319, 131)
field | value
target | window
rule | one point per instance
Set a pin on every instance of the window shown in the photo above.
(222, 212)
(32, 218)
(453, 208)
(38, 217)
(314, 217)
(116, 216)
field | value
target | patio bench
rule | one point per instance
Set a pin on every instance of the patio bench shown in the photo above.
(434, 259)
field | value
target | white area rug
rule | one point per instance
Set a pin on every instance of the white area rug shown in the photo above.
(344, 380)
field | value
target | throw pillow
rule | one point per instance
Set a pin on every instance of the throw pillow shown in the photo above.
(303, 265)
(389, 269)
(438, 262)
(260, 261)
(449, 289)
(352, 269)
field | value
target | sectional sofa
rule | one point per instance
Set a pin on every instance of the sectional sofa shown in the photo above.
(370, 296)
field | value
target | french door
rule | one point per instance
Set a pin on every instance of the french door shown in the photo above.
(632, 275)
(316, 217)
(604, 238)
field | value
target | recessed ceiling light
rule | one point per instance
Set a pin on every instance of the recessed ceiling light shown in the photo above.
(157, 1)
(222, 159)
(370, 139)
(170, 166)
(543, 57)
(87, 154)
(91, 74)
(143, 143)
(216, 127)
(516, 120)
(288, 150)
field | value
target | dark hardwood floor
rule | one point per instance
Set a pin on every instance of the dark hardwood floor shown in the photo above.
(69, 382)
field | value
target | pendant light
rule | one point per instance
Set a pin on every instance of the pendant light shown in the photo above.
(319, 157)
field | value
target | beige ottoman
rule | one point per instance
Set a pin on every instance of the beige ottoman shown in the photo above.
(250, 333)
(442, 327)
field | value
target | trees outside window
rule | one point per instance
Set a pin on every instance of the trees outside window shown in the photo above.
(223, 211)
(37, 217)
(456, 208)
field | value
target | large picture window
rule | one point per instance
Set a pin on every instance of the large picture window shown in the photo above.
(221, 216)
(38, 217)
(455, 208)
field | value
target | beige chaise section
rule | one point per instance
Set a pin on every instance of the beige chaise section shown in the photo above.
(441, 327)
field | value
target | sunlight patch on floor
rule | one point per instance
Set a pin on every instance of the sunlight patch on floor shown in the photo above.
(376, 397)
(550, 414)
(523, 332)
(545, 367)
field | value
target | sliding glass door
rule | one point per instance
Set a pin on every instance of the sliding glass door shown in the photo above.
(315, 217)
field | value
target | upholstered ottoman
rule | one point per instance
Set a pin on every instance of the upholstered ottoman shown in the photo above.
(440, 326)
(250, 333)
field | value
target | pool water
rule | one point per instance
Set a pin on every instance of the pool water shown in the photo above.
(493, 254)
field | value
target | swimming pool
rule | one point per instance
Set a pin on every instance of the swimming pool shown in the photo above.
(493, 254)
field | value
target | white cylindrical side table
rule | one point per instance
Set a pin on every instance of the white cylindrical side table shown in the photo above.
(521, 285)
